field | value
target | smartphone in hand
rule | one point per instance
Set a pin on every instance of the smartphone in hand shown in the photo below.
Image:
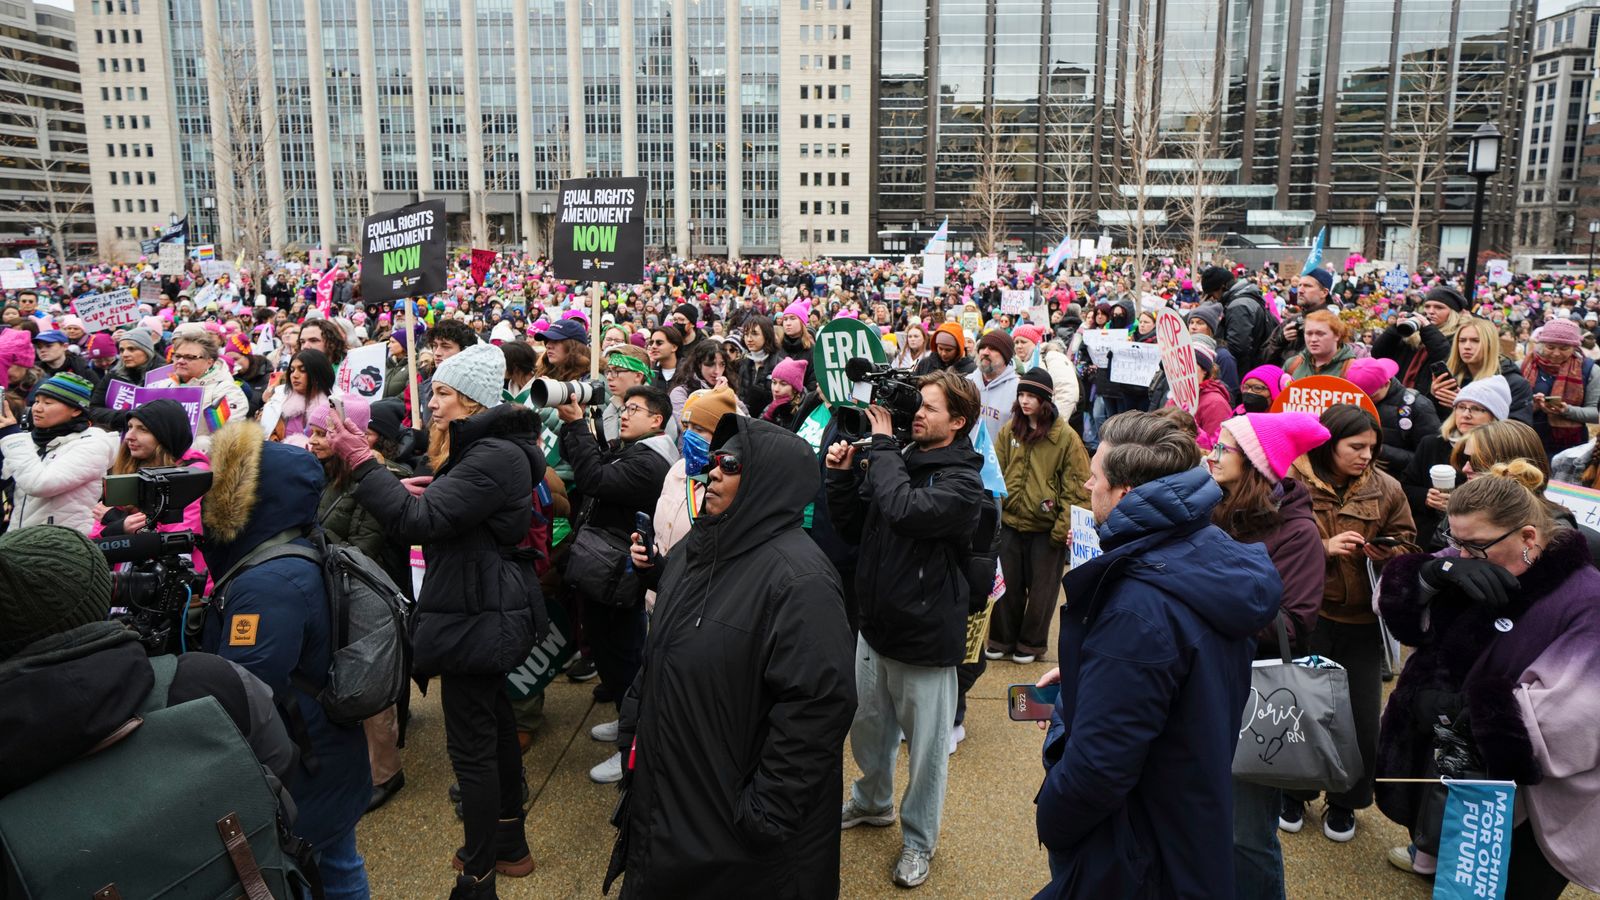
(1031, 703)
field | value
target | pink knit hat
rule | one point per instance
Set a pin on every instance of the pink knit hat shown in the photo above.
(1560, 333)
(1271, 376)
(792, 371)
(16, 349)
(800, 308)
(356, 408)
(1273, 441)
(1028, 333)
(1371, 374)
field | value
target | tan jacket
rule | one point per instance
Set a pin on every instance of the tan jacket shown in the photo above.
(1374, 505)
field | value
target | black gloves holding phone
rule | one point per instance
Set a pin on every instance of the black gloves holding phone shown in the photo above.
(1481, 581)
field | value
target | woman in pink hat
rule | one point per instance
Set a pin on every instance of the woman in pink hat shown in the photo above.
(1565, 386)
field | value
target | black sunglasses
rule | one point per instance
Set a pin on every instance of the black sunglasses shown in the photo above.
(727, 462)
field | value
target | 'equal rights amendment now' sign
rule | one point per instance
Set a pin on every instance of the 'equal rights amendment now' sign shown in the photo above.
(402, 252)
(600, 230)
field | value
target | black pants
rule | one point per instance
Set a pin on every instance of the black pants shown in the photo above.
(616, 644)
(1032, 566)
(1359, 648)
(480, 734)
(1530, 875)
(967, 675)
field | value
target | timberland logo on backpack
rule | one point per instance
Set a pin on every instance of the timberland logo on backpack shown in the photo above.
(243, 631)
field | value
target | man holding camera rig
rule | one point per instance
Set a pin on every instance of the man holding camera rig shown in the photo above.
(913, 511)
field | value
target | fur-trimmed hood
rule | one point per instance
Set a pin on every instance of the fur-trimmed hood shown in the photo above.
(238, 515)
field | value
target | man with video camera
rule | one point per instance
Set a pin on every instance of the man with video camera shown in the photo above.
(913, 511)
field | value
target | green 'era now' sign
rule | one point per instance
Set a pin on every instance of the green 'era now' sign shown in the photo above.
(837, 343)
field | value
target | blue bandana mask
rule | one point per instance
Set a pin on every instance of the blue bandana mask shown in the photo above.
(696, 452)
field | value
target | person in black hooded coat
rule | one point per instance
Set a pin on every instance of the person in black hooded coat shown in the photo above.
(745, 696)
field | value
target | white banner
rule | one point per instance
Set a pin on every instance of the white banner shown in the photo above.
(1014, 302)
(170, 259)
(933, 270)
(1100, 343)
(362, 372)
(16, 276)
(107, 311)
(1135, 364)
(985, 271)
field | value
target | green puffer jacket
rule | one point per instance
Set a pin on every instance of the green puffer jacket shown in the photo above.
(1043, 480)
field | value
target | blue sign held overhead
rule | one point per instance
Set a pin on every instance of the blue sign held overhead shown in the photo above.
(1396, 280)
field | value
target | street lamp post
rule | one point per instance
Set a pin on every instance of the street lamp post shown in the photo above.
(690, 255)
(1483, 160)
(1033, 246)
(1594, 229)
(1380, 208)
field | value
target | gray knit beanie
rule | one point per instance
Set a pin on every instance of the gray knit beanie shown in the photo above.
(52, 580)
(478, 372)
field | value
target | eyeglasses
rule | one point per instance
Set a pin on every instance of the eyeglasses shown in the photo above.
(186, 357)
(613, 371)
(1474, 550)
(634, 409)
(1219, 448)
(1472, 408)
(727, 462)
(658, 343)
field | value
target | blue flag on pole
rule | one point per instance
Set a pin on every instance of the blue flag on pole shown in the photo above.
(994, 481)
(1315, 258)
(1475, 842)
(937, 242)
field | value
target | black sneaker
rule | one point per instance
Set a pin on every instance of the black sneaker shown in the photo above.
(582, 669)
(1291, 815)
(1338, 823)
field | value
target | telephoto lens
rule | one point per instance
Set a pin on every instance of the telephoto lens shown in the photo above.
(548, 392)
(1406, 327)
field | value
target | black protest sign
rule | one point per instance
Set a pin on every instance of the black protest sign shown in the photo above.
(600, 230)
(402, 252)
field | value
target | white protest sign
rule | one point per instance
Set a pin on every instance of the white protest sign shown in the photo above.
(362, 372)
(1088, 249)
(30, 258)
(891, 292)
(1025, 268)
(107, 311)
(1102, 247)
(1100, 344)
(1499, 272)
(933, 270)
(170, 261)
(985, 271)
(1396, 280)
(1085, 537)
(1135, 364)
(16, 276)
(1014, 302)
(1584, 502)
(1177, 359)
(1039, 315)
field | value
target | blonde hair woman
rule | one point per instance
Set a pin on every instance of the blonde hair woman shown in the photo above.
(1475, 354)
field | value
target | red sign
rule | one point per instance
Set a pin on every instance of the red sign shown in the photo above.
(1177, 360)
(481, 261)
(1314, 394)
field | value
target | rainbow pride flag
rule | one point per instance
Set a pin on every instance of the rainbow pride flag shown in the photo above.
(217, 416)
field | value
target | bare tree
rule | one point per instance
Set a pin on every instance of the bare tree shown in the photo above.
(1138, 137)
(60, 177)
(993, 187)
(1197, 200)
(1068, 142)
(233, 77)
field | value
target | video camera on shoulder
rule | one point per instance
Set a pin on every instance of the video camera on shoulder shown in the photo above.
(153, 592)
(893, 389)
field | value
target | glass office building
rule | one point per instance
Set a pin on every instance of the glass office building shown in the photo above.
(1300, 114)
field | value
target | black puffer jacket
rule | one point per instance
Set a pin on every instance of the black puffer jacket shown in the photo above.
(1408, 417)
(100, 411)
(912, 512)
(622, 484)
(480, 608)
(745, 696)
(1246, 326)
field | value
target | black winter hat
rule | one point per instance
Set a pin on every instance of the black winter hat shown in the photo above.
(168, 424)
(1214, 279)
(1448, 296)
(52, 580)
(387, 418)
(1039, 383)
(690, 312)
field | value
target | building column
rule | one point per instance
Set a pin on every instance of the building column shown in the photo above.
(221, 141)
(321, 146)
(271, 147)
(477, 188)
(577, 154)
(519, 43)
(734, 132)
(417, 31)
(680, 125)
(367, 59)
(629, 68)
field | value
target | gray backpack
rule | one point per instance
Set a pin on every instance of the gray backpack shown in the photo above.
(371, 628)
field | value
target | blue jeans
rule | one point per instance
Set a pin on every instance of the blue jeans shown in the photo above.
(343, 871)
(1257, 856)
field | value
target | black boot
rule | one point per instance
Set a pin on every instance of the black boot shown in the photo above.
(469, 888)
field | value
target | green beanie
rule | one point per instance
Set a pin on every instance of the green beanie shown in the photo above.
(52, 580)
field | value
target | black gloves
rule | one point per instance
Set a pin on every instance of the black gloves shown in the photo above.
(1454, 753)
(1480, 580)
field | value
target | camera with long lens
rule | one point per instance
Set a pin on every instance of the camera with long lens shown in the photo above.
(547, 392)
(893, 389)
(152, 594)
(1406, 326)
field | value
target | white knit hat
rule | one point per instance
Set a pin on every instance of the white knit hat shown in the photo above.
(478, 371)
(1493, 394)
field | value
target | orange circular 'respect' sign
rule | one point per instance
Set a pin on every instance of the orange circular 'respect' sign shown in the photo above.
(1316, 393)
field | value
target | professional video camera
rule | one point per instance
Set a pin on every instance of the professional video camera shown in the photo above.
(893, 389)
(550, 392)
(152, 595)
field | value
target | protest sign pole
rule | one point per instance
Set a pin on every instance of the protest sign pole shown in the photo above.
(594, 330)
(411, 361)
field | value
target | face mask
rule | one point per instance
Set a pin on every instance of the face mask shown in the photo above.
(1256, 403)
(696, 452)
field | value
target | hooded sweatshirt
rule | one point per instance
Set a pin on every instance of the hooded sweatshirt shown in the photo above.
(1157, 635)
(996, 399)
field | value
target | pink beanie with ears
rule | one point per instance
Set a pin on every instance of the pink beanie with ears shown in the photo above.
(1371, 374)
(16, 349)
(799, 308)
(1273, 441)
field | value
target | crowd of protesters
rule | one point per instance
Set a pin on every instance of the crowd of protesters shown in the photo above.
(758, 579)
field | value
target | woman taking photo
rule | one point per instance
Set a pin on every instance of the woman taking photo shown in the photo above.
(1045, 466)
(1327, 352)
(302, 395)
(1249, 461)
(1506, 623)
(158, 436)
(1480, 403)
(480, 608)
(1475, 354)
(1416, 341)
(1362, 515)
(1565, 386)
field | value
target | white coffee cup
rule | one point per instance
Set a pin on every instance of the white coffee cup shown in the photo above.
(1444, 477)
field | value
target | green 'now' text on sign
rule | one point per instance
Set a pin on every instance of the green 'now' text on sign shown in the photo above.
(403, 260)
(594, 238)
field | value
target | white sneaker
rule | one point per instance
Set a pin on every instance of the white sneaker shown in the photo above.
(606, 732)
(608, 772)
(1022, 659)
(957, 735)
(993, 654)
